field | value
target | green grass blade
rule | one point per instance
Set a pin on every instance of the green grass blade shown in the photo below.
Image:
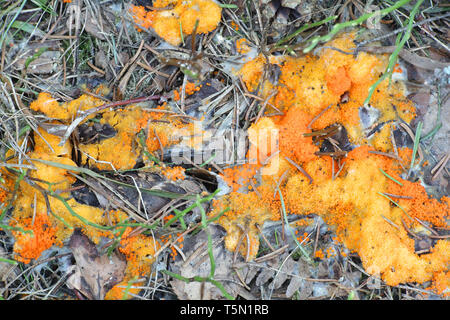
(393, 179)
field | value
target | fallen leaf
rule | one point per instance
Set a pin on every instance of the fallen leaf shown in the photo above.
(38, 58)
(94, 275)
(8, 271)
(197, 263)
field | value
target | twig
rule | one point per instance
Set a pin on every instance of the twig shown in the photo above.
(408, 230)
(300, 169)
(390, 222)
(387, 35)
(386, 155)
(318, 116)
(413, 137)
(397, 196)
(271, 255)
(439, 167)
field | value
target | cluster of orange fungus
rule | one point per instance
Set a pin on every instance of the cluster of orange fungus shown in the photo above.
(242, 46)
(174, 173)
(174, 19)
(47, 189)
(190, 88)
(37, 234)
(315, 92)
(139, 251)
(35, 231)
(316, 85)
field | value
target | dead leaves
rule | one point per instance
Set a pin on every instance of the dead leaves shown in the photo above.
(8, 272)
(197, 264)
(280, 277)
(94, 275)
(38, 58)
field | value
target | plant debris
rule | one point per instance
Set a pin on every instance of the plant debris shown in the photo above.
(217, 150)
(94, 274)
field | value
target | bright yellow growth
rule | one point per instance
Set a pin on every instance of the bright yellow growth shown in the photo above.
(139, 251)
(350, 203)
(242, 46)
(52, 219)
(314, 83)
(54, 223)
(174, 19)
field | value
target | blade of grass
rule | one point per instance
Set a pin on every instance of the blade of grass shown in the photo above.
(27, 27)
(8, 227)
(303, 29)
(8, 261)
(190, 208)
(299, 246)
(43, 5)
(393, 57)
(404, 211)
(5, 32)
(205, 227)
(393, 179)
(227, 6)
(34, 56)
(353, 23)
(416, 145)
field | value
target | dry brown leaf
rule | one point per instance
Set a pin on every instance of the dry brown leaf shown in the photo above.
(94, 275)
(96, 26)
(198, 264)
(8, 271)
(38, 58)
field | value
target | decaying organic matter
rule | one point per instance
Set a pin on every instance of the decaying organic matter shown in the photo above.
(203, 149)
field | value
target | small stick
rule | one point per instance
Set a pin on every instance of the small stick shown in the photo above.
(337, 154)
(279, 182)
(254, 189)
(132, 61)
(340, 169)
(266, 161)
(439, 237)
(408, 230)
(413, 137)
(160, 145)
(397, 196)
(90, 64)
(316, 239)
(264, 238)
(328, 132)
(245, 232)
(390, 222)
(332, 168)
(272, 254)
(263, 108)
(150, 69)
(427, 227)
(300, 169)
(439, 167)
(386, 155)
(318, 116)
